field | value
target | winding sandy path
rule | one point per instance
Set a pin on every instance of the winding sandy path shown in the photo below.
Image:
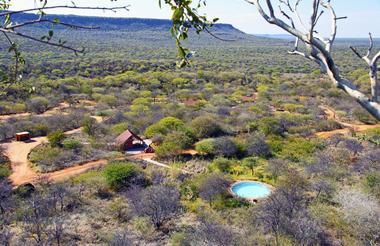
(22, 173)
(29, 176)
(17, 153)
(349, 127)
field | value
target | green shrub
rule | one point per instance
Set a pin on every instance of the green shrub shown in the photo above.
(167, 150)
(71, 144)
(4, 172)
(38, 104)
(295, 108)
(55, 138)
(270, 125)
(109, 100)
(165, 126)
(205, 126)
(371, 183)
(19, 107)
(327, 125)
(119, 128)
(222, 164)
(119, 173)
(205, 146)
(297, 149)
(251, 163)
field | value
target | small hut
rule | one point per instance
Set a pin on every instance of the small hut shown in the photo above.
(248, 98)
(22, 136)
(129, 141)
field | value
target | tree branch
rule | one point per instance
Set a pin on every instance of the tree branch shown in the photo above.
(356, 52)
(333, 25)
(298, 15)
(76, 51)
(215, 36)
(319, 50)
(17, 56)
(270, 7)
(370, 45)
(376, 58)
(313, 18)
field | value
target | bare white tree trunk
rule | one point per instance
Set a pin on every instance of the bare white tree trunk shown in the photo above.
(319, 48)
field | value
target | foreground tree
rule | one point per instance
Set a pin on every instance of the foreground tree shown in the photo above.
(361, 212)
(213, 186)
(318, 49)
(158, 202)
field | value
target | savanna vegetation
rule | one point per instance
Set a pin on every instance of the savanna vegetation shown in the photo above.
(327, 190)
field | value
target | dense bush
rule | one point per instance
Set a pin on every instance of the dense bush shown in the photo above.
(158, 202)
(327, 125)
(222, 164)
(371, 184)
(118, 174)
(165, 126)
(71, 144)
(38, 105)
(224, 146)
(173, 144)
(257, 145)
(213, 186)
(55, 138)
(5, 170)
(204, 127)
(205, 146)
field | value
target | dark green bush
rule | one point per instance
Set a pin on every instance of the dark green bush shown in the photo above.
(55, 138)
(118, 174)
(71, 144)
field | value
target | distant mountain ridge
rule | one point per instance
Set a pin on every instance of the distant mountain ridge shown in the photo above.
(115, 23)
(117, 32)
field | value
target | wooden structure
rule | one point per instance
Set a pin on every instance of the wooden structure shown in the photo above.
(190, 102)
(248, 98)
(130, 141)
(22, 136)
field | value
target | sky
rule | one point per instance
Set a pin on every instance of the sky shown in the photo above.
(362, 16)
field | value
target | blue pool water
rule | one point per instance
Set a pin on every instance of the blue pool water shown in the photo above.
(250, 190)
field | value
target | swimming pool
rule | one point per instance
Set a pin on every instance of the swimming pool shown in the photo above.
(250, 189)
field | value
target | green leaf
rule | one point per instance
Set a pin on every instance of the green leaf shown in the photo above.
(181, 52)
(7, 19)
(185, 36)
(177, 14)
(51, 33)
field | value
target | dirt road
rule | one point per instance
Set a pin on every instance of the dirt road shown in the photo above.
(22, 173)
(355, 127)
(17, 153)
(27, 175)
